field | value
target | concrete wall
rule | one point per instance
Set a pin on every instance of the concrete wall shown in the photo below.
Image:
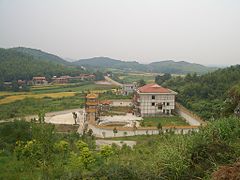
(149, 105)
(104, 133)
(121, 103)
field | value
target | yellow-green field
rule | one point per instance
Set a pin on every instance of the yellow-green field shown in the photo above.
(134, 77)
(53, 91)
(11, 98)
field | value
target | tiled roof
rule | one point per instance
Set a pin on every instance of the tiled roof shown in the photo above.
(153, 88)
(92, 96)
(105, 102)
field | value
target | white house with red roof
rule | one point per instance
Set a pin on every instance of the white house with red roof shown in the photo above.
(154, 100)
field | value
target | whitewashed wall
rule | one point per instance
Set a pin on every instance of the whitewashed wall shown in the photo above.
(147, 107)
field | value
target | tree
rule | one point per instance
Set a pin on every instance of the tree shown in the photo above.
(134, 127)
(99, 76)
(161, 79)
(106, 151)
(41, 117)
(159, 127)
(80, 145)
(74, 117)
(90, 132)
(141, 82)
(115, 131)
(87, 157)
(62, 146)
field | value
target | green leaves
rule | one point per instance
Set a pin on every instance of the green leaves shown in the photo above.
(106, 151)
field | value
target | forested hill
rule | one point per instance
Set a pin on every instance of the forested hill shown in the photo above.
(170, 66)
(208, 95)
(16, 65)
(105, 62)
(180, 67)
(41, 55)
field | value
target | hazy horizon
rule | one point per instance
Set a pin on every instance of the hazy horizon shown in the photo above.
(204, 32)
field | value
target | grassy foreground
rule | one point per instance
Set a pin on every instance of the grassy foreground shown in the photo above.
(43, 154)
(164, 121)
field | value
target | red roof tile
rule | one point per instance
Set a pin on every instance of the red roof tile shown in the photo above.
(153, 88)
(105, 102)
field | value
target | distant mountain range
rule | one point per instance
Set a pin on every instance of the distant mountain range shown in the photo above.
(181, 67)
(23, 63)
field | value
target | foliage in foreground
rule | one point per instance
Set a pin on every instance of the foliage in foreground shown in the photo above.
(42, 153)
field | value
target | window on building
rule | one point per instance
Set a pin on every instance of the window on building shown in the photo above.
(167, 111)
(153, 104)
(168, 103)
(164, 111)
(164, 103)
(160, 107)
(153, 97)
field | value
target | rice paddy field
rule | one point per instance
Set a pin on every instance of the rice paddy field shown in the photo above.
(46, 98)
(12, 98)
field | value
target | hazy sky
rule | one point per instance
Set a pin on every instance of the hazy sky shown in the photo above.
(201, 31)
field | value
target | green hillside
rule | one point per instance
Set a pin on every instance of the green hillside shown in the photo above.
(209, 94)
(41, 55)
(105, 62)
(180, 67)
(16, 65)
(170, 66)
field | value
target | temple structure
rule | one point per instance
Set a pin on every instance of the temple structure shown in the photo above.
(92, 105)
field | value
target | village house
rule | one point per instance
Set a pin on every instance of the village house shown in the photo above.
(88, 77)
(61, 79)
(39, 81)
(105, 105)
(7, 84)
(128, 88)
(154, 100)
(21, 82)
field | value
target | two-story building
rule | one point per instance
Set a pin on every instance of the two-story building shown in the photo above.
(39, 81)
(128, 88)
(154, 100)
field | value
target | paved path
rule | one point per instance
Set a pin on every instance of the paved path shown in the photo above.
(51, 114)
(112, 81)
(189, 116)
(47, 115)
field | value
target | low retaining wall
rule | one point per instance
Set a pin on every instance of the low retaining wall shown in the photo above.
(104, 132)
(122, 103)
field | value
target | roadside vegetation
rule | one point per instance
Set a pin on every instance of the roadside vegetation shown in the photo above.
(36, 151)
(212, 95)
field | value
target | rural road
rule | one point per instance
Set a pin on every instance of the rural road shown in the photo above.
(112, 81)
